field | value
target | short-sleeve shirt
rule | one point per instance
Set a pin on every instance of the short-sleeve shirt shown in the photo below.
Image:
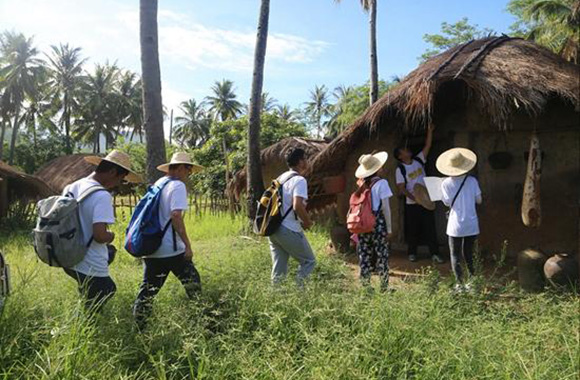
(463, 219)
(293, 187)
(415, 174)
(173, 198)
(97, 208)
(380, 190)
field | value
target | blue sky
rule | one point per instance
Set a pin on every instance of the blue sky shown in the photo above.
(311, 41)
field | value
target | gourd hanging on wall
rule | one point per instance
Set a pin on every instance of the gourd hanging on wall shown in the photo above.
(531, 206)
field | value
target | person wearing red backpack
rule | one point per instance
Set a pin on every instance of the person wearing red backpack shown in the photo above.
(370, 216)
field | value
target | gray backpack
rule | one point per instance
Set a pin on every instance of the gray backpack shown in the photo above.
(4, 281)
(58, 236)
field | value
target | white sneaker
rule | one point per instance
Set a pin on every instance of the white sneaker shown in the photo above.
(459, 288)
(469, 287)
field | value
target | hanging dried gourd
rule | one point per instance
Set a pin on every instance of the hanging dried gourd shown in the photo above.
(531, 206)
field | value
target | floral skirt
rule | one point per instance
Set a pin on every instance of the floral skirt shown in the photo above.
(374, 242)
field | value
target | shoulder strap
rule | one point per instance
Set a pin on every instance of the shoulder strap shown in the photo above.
(292, 175)
(90, 191)
(403, 170)
(291, 208)
(458, 191)
(416, 158)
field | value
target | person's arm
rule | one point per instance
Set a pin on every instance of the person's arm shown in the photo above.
(300, 210)
(428, 140)
(403, 189)
(179, 227)
(101, 235)
(478, 198)
(386, 208)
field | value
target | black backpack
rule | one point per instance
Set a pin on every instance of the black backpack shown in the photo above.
(404, 170)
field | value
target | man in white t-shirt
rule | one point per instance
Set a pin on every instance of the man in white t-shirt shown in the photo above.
(289, 240)
(96, 213)
(175, 253)
(419, 222)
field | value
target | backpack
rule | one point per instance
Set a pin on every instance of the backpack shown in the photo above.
(144, 233)
(4, 281)
(361, 218)
(404, 170)
(269, 213)
(58, 237)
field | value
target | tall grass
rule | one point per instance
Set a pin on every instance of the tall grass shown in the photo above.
(243, 328)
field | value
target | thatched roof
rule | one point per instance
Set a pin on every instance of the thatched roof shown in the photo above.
(65, 170)
(275, 154)
(23, 185)
(500, 75)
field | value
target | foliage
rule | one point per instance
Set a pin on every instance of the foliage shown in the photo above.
(31, 156)
(453, 35)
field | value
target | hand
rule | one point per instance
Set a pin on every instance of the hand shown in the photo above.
(307, 225)
(411, 197)
(188, 253)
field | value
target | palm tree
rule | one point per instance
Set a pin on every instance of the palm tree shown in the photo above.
(66, 67)
(343, 95)
(39, 111)
(318, 107)
(370, 6)
(151, 78)
(285, 113)
(192, 128)
(18, 77)
(98, 106)
(556, 24)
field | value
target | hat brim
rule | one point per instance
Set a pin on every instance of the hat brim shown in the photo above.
(422, 197)
(132, 177)
(362, 172)
(165, 167)
(444, 166)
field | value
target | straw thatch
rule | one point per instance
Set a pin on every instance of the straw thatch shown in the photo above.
(21, 185)
(499, 75)
(65, 170)
(274, 156)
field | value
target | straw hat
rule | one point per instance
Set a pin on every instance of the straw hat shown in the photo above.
(422, 197)
(120, 159)
(370, 164)
(180, 158)
(456, 162)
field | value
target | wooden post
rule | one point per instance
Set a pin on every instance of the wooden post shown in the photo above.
(3, 197)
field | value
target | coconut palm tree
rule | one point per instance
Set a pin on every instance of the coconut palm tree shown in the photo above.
(19, 77)
(318, 107)
(285, 112)
(342, 94)
(151, 79)
(192, 128)
(223, 104)
(66, 68)
(129, 107)
(370, 6)
(39, 111)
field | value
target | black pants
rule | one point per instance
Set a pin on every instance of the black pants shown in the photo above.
(96, 290)
(461, 247)
(154, 276)
(420, 228)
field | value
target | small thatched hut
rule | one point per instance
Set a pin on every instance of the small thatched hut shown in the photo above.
(274, 163)
(16, 185)
(488, 95)
(64, 170)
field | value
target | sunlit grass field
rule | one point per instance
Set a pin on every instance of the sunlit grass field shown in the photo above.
(243, 328)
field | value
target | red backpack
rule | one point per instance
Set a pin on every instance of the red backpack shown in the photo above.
(360, 218)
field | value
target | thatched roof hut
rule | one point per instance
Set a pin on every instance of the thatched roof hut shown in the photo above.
(15, 184)
(64, 170)
(274, 163)
(487, 95)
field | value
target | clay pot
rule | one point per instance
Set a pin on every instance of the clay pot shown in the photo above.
(340, 237)
(531, 270)
(561, 270)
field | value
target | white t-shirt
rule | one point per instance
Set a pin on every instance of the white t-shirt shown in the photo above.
(415, 174)
(463, 219)
(97, 208)
(294, 187)
(380, 191)
(173, 197)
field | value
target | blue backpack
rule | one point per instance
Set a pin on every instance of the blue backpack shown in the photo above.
(145, 233)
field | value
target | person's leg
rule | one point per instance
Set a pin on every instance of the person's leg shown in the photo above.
(187, 274)
(468, 243)
(430, 232)
(96, 290)
(455, 249)
(155, 273)
(381, 247)
(279, 257)
(294, 244)
(413, 229)
(363, 250)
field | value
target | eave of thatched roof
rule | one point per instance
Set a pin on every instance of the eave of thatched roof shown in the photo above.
(502, 76)
(24, 185)
(64, 170)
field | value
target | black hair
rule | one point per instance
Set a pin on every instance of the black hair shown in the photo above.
(107, 166)
(293, 156)
(398, 151)
(176, 166)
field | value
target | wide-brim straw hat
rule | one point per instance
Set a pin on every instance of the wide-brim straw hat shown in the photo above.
(120, 159)
(456, 162)
(370, 164)
(422, 197)
(180, 158)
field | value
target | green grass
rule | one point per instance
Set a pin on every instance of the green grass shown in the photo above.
(242, 328)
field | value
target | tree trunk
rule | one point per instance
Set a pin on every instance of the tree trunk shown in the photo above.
(14, 135)
(2, 134)
(374, 81)
(226, 160)
(171, 127)
(67, 125)
(151, 78)
(255, 183)
(132, 134)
